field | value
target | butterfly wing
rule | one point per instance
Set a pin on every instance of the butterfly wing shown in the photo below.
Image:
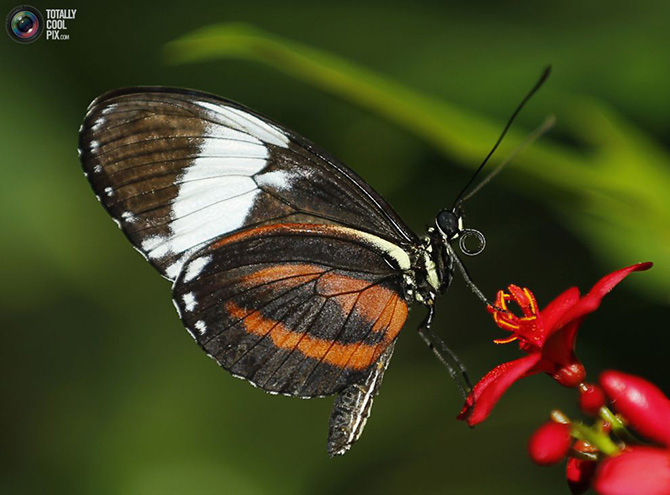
(297, 309)
(177, 169)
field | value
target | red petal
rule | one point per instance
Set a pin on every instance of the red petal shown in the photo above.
(580, 473)
(641, 402)
(559, 348)
(557, 308)
(550, 443)
(488, 390)
(642, 470)
(590, 302)
(524, 299)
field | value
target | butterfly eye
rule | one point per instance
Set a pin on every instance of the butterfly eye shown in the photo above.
(448, 223)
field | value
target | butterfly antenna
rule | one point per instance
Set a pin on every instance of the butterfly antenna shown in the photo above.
(530, 139)
(466, 276)
(468, 280)
(538, 85)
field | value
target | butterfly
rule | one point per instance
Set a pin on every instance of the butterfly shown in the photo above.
(288, 269)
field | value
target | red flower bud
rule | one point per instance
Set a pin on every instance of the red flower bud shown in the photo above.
(550, 443)
(591, 399)
(571, 375)
(580, 473)
(642, 403)
(643, 470)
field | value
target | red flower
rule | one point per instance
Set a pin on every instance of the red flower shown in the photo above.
(550, 443)
(643, 470)
(642, 403)
(638, 469)
(547, 336)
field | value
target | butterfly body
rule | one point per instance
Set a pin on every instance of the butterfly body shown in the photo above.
(288, 269)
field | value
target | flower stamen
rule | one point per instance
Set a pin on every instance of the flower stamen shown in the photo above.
(509, 339)
(522, 327)
(531, 301)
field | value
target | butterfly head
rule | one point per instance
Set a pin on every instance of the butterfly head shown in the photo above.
(450, 225)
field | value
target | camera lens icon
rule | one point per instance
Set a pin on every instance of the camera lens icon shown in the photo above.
(25, 24)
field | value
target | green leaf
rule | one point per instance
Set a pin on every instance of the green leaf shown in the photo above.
(617, 188)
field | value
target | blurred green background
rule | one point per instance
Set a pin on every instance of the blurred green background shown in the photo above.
(103, 392)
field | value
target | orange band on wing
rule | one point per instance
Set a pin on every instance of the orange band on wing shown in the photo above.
(372, 300)
(355, 355)
(391, 319)
(293, 228)
(333, 283)
(286, 275)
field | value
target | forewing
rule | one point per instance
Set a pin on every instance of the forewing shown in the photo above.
(296, 309)
(177, 169)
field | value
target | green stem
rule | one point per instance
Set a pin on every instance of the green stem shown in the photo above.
(598, 439)
(618, 426)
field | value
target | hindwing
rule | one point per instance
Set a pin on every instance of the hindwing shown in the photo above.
(297, 309)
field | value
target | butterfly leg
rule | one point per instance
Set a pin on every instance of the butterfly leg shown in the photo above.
(352, 406)
(446, 356)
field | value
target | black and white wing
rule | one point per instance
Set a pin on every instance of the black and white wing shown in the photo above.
(178, 169)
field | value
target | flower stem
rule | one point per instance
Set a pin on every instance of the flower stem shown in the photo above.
(596, 438)
(618, 426)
